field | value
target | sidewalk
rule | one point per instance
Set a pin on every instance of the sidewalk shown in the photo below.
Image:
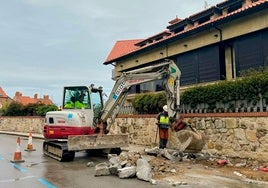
(34, 135)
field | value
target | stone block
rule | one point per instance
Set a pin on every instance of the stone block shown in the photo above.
(219, 146)
(223, 130)
(230, 123)
(102, 169)
(210, 144)
(251, 135)
(218, 124)
(127, 172)
(240, 134)
(262, 124)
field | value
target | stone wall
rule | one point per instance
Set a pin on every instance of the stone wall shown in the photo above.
(243, 137)
(234, 136)
(22, 124)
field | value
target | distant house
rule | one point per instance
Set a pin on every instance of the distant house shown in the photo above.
(4, 99)
(25, 100)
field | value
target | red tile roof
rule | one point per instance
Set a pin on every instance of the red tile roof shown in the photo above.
(2, 93)
(25, 100)
(122, 48)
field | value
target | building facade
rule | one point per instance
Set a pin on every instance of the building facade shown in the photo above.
(218, 43)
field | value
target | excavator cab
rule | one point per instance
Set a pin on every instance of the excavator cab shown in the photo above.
(78, 97)
(87, 99)
(73, 96)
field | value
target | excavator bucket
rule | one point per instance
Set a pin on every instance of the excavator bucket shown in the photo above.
(98, 141)
(187, 141)
(185, 138)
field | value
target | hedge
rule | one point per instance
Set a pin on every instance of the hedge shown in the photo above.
(252, 87)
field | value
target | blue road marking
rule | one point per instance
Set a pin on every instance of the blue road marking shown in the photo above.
(46, 183)
(20, 168)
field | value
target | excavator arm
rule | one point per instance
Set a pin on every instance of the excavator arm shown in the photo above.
(166, 71)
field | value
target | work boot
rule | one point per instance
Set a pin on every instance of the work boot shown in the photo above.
(161, 143)
(165, 143)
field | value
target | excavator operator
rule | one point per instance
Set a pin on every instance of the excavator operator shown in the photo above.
(70, 104)
(79, 103)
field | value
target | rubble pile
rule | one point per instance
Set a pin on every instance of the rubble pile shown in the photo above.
(126, 165)
(144, 165)
(155, 165)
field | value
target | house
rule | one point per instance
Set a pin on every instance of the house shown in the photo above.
(25, 100)
(218, 43)
(4, 98)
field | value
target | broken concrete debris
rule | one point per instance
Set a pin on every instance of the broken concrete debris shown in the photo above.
(144, 170)
(127, 172)
(156, 165)
(139, 164)
(102, 169)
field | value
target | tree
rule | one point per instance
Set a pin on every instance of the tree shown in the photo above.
(14, 109)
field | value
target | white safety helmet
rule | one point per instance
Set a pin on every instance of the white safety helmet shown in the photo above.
(165, 108)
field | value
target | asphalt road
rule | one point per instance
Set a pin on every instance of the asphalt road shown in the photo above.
(44, 172)
(41, 171)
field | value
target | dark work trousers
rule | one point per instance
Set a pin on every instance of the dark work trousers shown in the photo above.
(163, 138)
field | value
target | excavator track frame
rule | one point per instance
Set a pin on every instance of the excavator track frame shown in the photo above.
(58, 150)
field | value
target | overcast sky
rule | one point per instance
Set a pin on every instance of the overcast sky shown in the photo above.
(47, 44)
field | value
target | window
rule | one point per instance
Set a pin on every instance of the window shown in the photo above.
(96, 100)
(76, 97)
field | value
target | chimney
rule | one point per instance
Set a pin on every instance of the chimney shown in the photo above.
(18, 94)
(35, 96)
(174, 20)
(247, 2)
(46, 97)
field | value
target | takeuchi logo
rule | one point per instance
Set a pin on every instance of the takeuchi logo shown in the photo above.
(119, 90)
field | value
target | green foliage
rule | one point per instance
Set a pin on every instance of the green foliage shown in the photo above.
(17, 109)
(252, 85)
(149, 103)
(43, 109)
(14, 109)
(30, 109)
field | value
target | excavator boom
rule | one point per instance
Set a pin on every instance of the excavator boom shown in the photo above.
(166, 71)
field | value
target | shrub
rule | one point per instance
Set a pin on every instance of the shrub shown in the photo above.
(17, 109)
(43, 109)
(14, 109)
(251, 86)
(149, 103)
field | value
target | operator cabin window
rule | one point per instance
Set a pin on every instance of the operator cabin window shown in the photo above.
(72, 95)
(96, 99)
